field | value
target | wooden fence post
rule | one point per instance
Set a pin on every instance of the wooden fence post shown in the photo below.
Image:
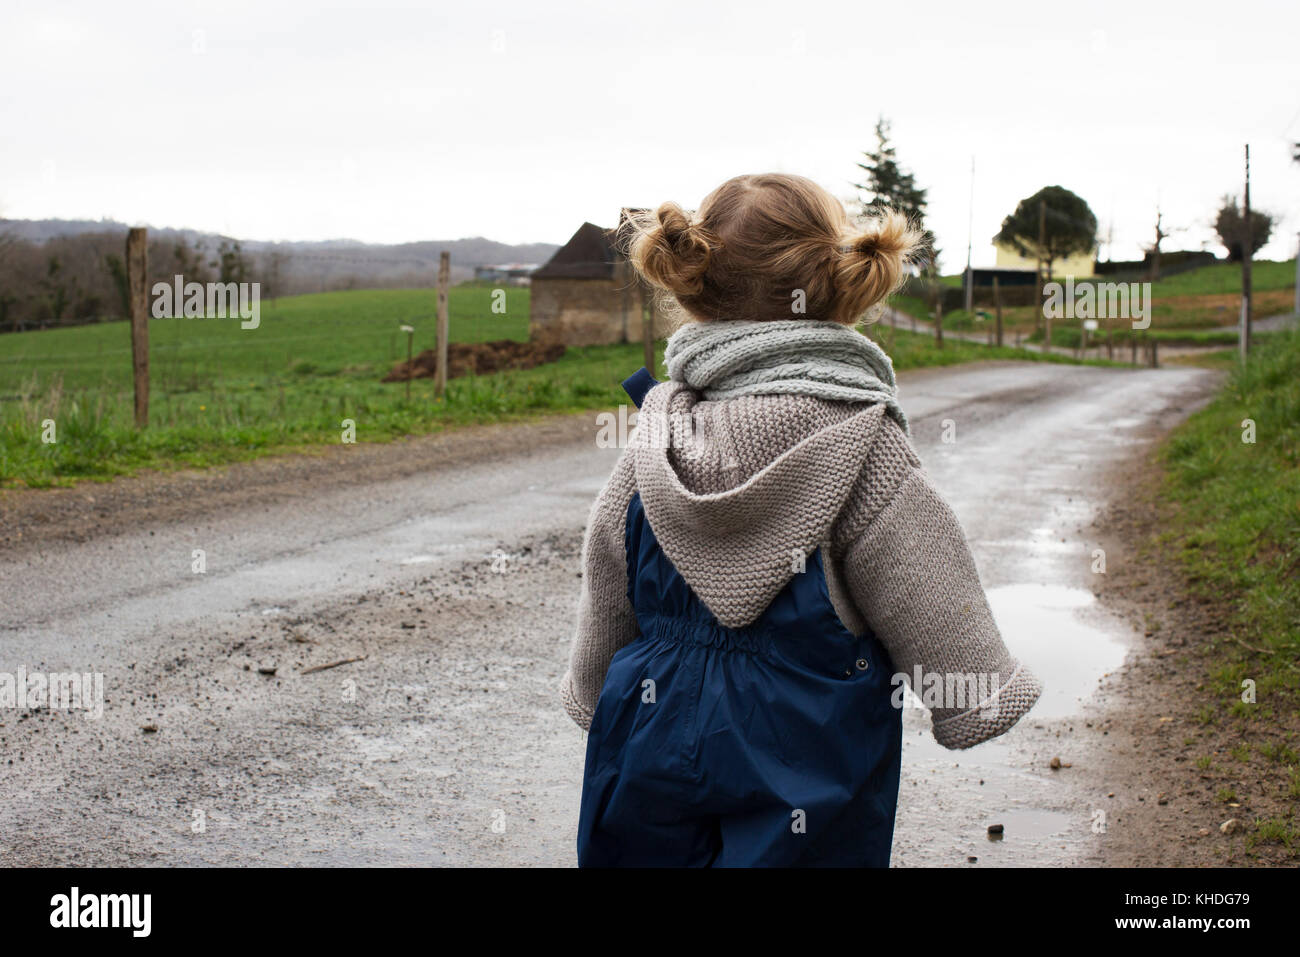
(938, 316)
(137, 280)
(997, 304)
(648, 329)
(444, 325)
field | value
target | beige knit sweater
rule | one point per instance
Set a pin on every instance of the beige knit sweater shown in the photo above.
(736, 489)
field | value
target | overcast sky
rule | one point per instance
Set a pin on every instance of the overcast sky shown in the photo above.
(389, 122)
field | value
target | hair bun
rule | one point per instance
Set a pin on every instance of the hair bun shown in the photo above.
(672, 251)
(889, 234)
(871, 264)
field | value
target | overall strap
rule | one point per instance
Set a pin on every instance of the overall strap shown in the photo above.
(638, 384)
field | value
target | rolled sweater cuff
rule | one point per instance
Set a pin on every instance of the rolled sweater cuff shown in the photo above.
(572, 705)
(993, 716)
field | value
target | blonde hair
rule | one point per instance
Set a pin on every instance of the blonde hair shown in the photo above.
(757, 241)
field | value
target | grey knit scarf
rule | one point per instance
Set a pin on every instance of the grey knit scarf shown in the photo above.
(732, 358)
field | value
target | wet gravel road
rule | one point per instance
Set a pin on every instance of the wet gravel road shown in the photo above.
(454, 582)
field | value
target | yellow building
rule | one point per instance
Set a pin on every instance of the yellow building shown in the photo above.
(1079, 266)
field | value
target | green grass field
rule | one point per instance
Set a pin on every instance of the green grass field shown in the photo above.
(1220, 278)
(1209, 280)
(1182, 307)
(220, 393)
(336, 333)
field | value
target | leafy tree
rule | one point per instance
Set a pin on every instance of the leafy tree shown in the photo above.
(890, 185)
(1230, 225)
(1068, 228)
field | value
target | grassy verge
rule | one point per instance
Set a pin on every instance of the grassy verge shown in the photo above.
(1237, 533)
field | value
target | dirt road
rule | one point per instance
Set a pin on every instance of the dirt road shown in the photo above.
(449, 567)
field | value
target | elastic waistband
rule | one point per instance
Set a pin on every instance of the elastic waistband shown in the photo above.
(709, 634)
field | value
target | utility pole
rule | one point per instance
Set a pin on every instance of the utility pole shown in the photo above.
(970, 236)
(1042, 252)
(1297, 278)
(444, 325)
(1110, 231)
(1042, 245)
(1246, 256)
(997, 306)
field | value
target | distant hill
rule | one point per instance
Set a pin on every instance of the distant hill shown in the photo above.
(317, 265)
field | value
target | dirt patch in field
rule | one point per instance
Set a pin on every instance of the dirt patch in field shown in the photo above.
(1174, 769)
(478, 358)
(1262, 303)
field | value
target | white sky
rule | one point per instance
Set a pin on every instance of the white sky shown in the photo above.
(398, 121)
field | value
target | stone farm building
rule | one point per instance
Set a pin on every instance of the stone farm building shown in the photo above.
(588, 293)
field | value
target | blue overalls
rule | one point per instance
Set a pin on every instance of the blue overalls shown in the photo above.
(775, 744)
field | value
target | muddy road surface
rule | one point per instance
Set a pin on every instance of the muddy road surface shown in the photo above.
(448, 569)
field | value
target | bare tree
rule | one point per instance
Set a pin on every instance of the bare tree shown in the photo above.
(1153, 251)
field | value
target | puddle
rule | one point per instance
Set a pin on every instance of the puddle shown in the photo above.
(1064, 636)
(1030, 824)
(948, 800)
(432, 551)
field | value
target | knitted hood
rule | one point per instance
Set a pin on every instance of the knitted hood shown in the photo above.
(737, 490)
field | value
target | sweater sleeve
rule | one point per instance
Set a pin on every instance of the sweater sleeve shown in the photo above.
(911, 574)
(606, 621)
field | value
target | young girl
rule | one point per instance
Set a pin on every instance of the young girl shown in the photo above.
(767, 555)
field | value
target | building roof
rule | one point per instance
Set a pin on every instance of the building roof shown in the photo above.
(509, 267)
(589, 254)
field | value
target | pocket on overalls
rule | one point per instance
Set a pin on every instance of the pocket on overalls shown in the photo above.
(648, 704)
(620, 679)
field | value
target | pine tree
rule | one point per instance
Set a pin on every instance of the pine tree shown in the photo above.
(890, 185)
